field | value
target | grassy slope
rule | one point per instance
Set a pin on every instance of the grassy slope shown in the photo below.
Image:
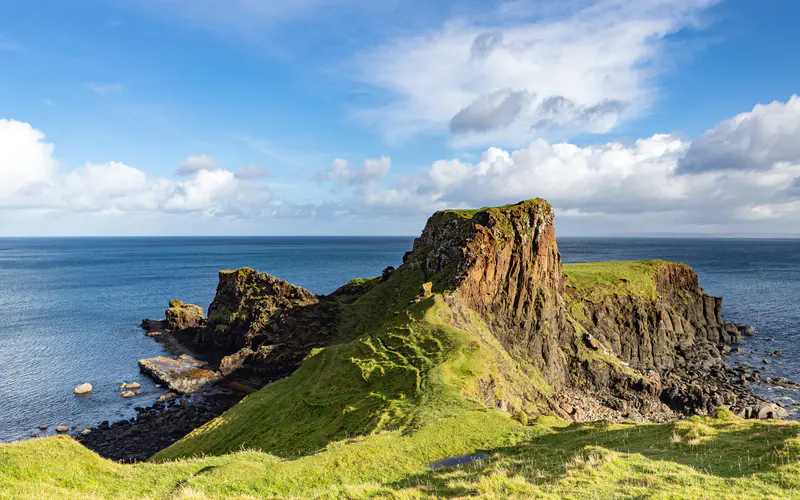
(365, 417)
(698, 458)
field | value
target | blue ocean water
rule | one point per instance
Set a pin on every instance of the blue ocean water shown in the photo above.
(70, 307)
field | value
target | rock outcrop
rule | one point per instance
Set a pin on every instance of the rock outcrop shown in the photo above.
(651, 350)
(181, 316)
(183, 374)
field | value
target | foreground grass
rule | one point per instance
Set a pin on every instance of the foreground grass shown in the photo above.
(706, 457)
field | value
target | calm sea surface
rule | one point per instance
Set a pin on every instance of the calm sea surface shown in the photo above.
(70, 308)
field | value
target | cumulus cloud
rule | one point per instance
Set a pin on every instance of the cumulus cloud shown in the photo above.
(30, 178)
(506, 80)
(643, 181)
(755, 140)
(26, 160)
(195, 164)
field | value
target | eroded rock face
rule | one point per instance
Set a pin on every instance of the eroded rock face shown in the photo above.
(681, 326)
(504, 263)
(246, 303)
(650, 355)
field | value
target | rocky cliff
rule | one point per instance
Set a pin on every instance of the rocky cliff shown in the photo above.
(632, 339)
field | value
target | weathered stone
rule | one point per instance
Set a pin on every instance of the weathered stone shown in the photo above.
(62, 429)
(83, 389)
(183, 374)
(181, 316)
(127, 394)
(387, 272)
(235, 361)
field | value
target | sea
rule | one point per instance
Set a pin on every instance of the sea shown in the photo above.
(70, 308)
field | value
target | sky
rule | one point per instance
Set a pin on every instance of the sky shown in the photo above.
(362, 117)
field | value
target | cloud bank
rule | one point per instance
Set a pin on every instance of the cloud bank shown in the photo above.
(743, 170)
(743, 175)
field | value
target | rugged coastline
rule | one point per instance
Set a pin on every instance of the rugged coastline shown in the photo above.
(636, 341)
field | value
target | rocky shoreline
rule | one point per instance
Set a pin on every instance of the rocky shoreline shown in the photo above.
(631, 341)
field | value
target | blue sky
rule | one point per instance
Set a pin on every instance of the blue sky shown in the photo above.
(356, 117)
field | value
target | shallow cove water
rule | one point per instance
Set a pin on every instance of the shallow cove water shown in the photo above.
(70, 307)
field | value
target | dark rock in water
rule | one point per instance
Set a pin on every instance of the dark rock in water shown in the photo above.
(181, 316)
(183, 374)
(745, 330)
(459, 460)
(152, 325)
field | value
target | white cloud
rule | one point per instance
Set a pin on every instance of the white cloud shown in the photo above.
(195, 164)
(372, 171)
(105, 88)
(755, 140)
(642, 182)
(30, 179)
(26, 160)
(503, 81)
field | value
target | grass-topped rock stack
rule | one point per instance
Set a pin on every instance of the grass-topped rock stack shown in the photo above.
(480, 344)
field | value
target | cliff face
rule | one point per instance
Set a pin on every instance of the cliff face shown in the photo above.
(679, 325)
(504, 264)
(264, 323)
(634, 334)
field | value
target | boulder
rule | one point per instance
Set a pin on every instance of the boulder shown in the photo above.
(130, 386)
(183, 374)
(43, 427)
(62, 428)
(235, 361)
(181, 316)
(127, 394)
(387, 272)
(83, 389)
(771, 411)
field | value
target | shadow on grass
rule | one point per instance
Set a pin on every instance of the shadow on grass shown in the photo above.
(725, 449)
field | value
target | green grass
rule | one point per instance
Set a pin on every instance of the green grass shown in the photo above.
(595, 280)
(703, 457)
